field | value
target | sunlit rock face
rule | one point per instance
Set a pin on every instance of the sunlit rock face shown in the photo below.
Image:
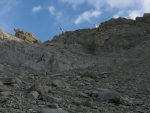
(26, 36)
(7, 36)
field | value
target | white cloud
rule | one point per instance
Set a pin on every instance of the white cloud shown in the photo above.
(134, 14)
(125, 8)
(120, 4)
(146, 6)
(96, 4)
(87, 16)
(118, 14)
(59, 15)
(36, 9)
(52, 10)
(130, 8)
(74, 3)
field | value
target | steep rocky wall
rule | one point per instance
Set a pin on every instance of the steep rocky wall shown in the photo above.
(115, 42)
(115, 36)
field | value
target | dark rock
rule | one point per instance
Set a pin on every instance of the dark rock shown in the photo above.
(106, 95)
(53, 105)
(11, 81)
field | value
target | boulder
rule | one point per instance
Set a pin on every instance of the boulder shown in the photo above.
(106, 95)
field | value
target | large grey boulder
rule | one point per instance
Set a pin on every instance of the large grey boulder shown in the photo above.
(106, 95)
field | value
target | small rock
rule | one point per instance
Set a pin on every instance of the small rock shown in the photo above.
(49, 98)
(42, 89)
(88, 79)
(127, 101)
(58, 83)
(15, 86)
(5, 93)
(1, 67)
(78, 77)
(4, 88)
(11, 81)
(83, 95)
(49, 110)
(53, 105)
(33, 95)
(17, 81)
(1, 83)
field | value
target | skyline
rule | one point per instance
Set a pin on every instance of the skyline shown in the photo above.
(44, 18)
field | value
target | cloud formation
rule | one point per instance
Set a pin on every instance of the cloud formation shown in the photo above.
(51, 10)
(36, 8)
(87, 16)
(125, 8)
(73, 3)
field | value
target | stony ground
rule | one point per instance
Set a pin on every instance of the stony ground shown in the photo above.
(78, 91)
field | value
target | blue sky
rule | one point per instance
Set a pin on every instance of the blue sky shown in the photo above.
(44, 17)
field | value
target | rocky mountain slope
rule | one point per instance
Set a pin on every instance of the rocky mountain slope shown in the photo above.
(101, 70)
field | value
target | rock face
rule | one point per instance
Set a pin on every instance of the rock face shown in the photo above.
(26, 36)
(6, 36)
(102, 70)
